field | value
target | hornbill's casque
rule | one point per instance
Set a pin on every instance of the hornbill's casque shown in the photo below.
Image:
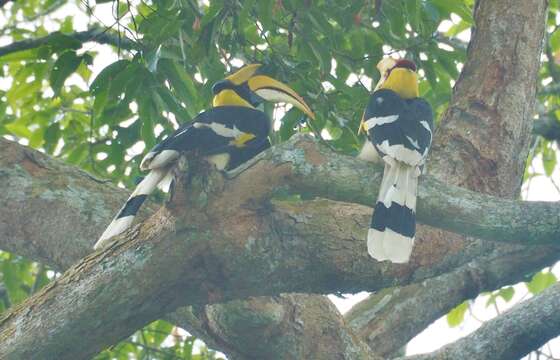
(227, 135)
(399, 125)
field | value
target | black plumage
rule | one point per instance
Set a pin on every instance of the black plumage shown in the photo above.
(220, 130)
(401, 132)
(406, 129)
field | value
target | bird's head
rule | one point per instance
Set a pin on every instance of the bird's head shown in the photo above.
(247, 87)
(399, 76)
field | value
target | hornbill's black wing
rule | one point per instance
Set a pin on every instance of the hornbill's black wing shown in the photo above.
(398, 128)
(224, 129)
(237, 132)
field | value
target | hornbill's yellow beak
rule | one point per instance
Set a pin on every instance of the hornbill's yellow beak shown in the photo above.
(275, 91)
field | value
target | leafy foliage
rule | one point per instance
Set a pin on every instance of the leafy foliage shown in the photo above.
(456, 316)
(159, 340)
(326, 50)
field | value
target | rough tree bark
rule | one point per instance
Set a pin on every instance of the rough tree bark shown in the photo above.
(217, 252)
(440, 261)
(528, 325)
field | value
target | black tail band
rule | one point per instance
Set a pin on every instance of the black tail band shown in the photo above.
(398, 218)
(132, 206)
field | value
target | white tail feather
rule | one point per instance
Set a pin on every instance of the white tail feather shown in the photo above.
(121, 224)
(399, 186)
(368, 153)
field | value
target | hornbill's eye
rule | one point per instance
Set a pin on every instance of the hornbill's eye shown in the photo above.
(221, 85)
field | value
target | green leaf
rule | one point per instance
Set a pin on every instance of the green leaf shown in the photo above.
(66, 25)
(456, 316)
(549, 160)
(171, 103)
(413, 8)
(104, 78)
(30, 54)
(64, 66)
(18, 129)
(454, 6)
(100, 102)
(289, 123)
(181, 82)
(506, 293)
(541, 281)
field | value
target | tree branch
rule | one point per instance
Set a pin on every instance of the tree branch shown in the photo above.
(387, 330)
(96, 34)
(512, 335)
(69, 202)
(217, 252)
(287, 326)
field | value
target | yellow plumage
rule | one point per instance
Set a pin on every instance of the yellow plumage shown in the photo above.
(229, 98)
(403, 81)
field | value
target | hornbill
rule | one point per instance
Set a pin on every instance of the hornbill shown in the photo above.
(399, 126)
(227, 135)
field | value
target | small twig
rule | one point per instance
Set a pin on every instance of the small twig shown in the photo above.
(226, 59)
(498, 312)
(132, 16)
(148, 349)
(37, 277)
(96, 179)
(182, 45)
(555, 184)
(96, 34)
(67, 109)
(471, 313)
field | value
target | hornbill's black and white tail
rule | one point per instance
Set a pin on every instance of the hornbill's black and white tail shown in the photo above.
(391, 233)
(399, 125)
(126, 215)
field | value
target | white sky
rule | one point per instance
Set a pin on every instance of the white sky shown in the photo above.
(437, 334)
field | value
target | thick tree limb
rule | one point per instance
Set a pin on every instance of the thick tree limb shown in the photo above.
(74, 203)
(96, 34)
(48, 205)
(387, 329)
(287, 326)
(512, 335)
(301, 165)
(216, 252)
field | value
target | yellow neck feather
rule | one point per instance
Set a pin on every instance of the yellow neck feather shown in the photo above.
(402, 81)
(229, 97)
